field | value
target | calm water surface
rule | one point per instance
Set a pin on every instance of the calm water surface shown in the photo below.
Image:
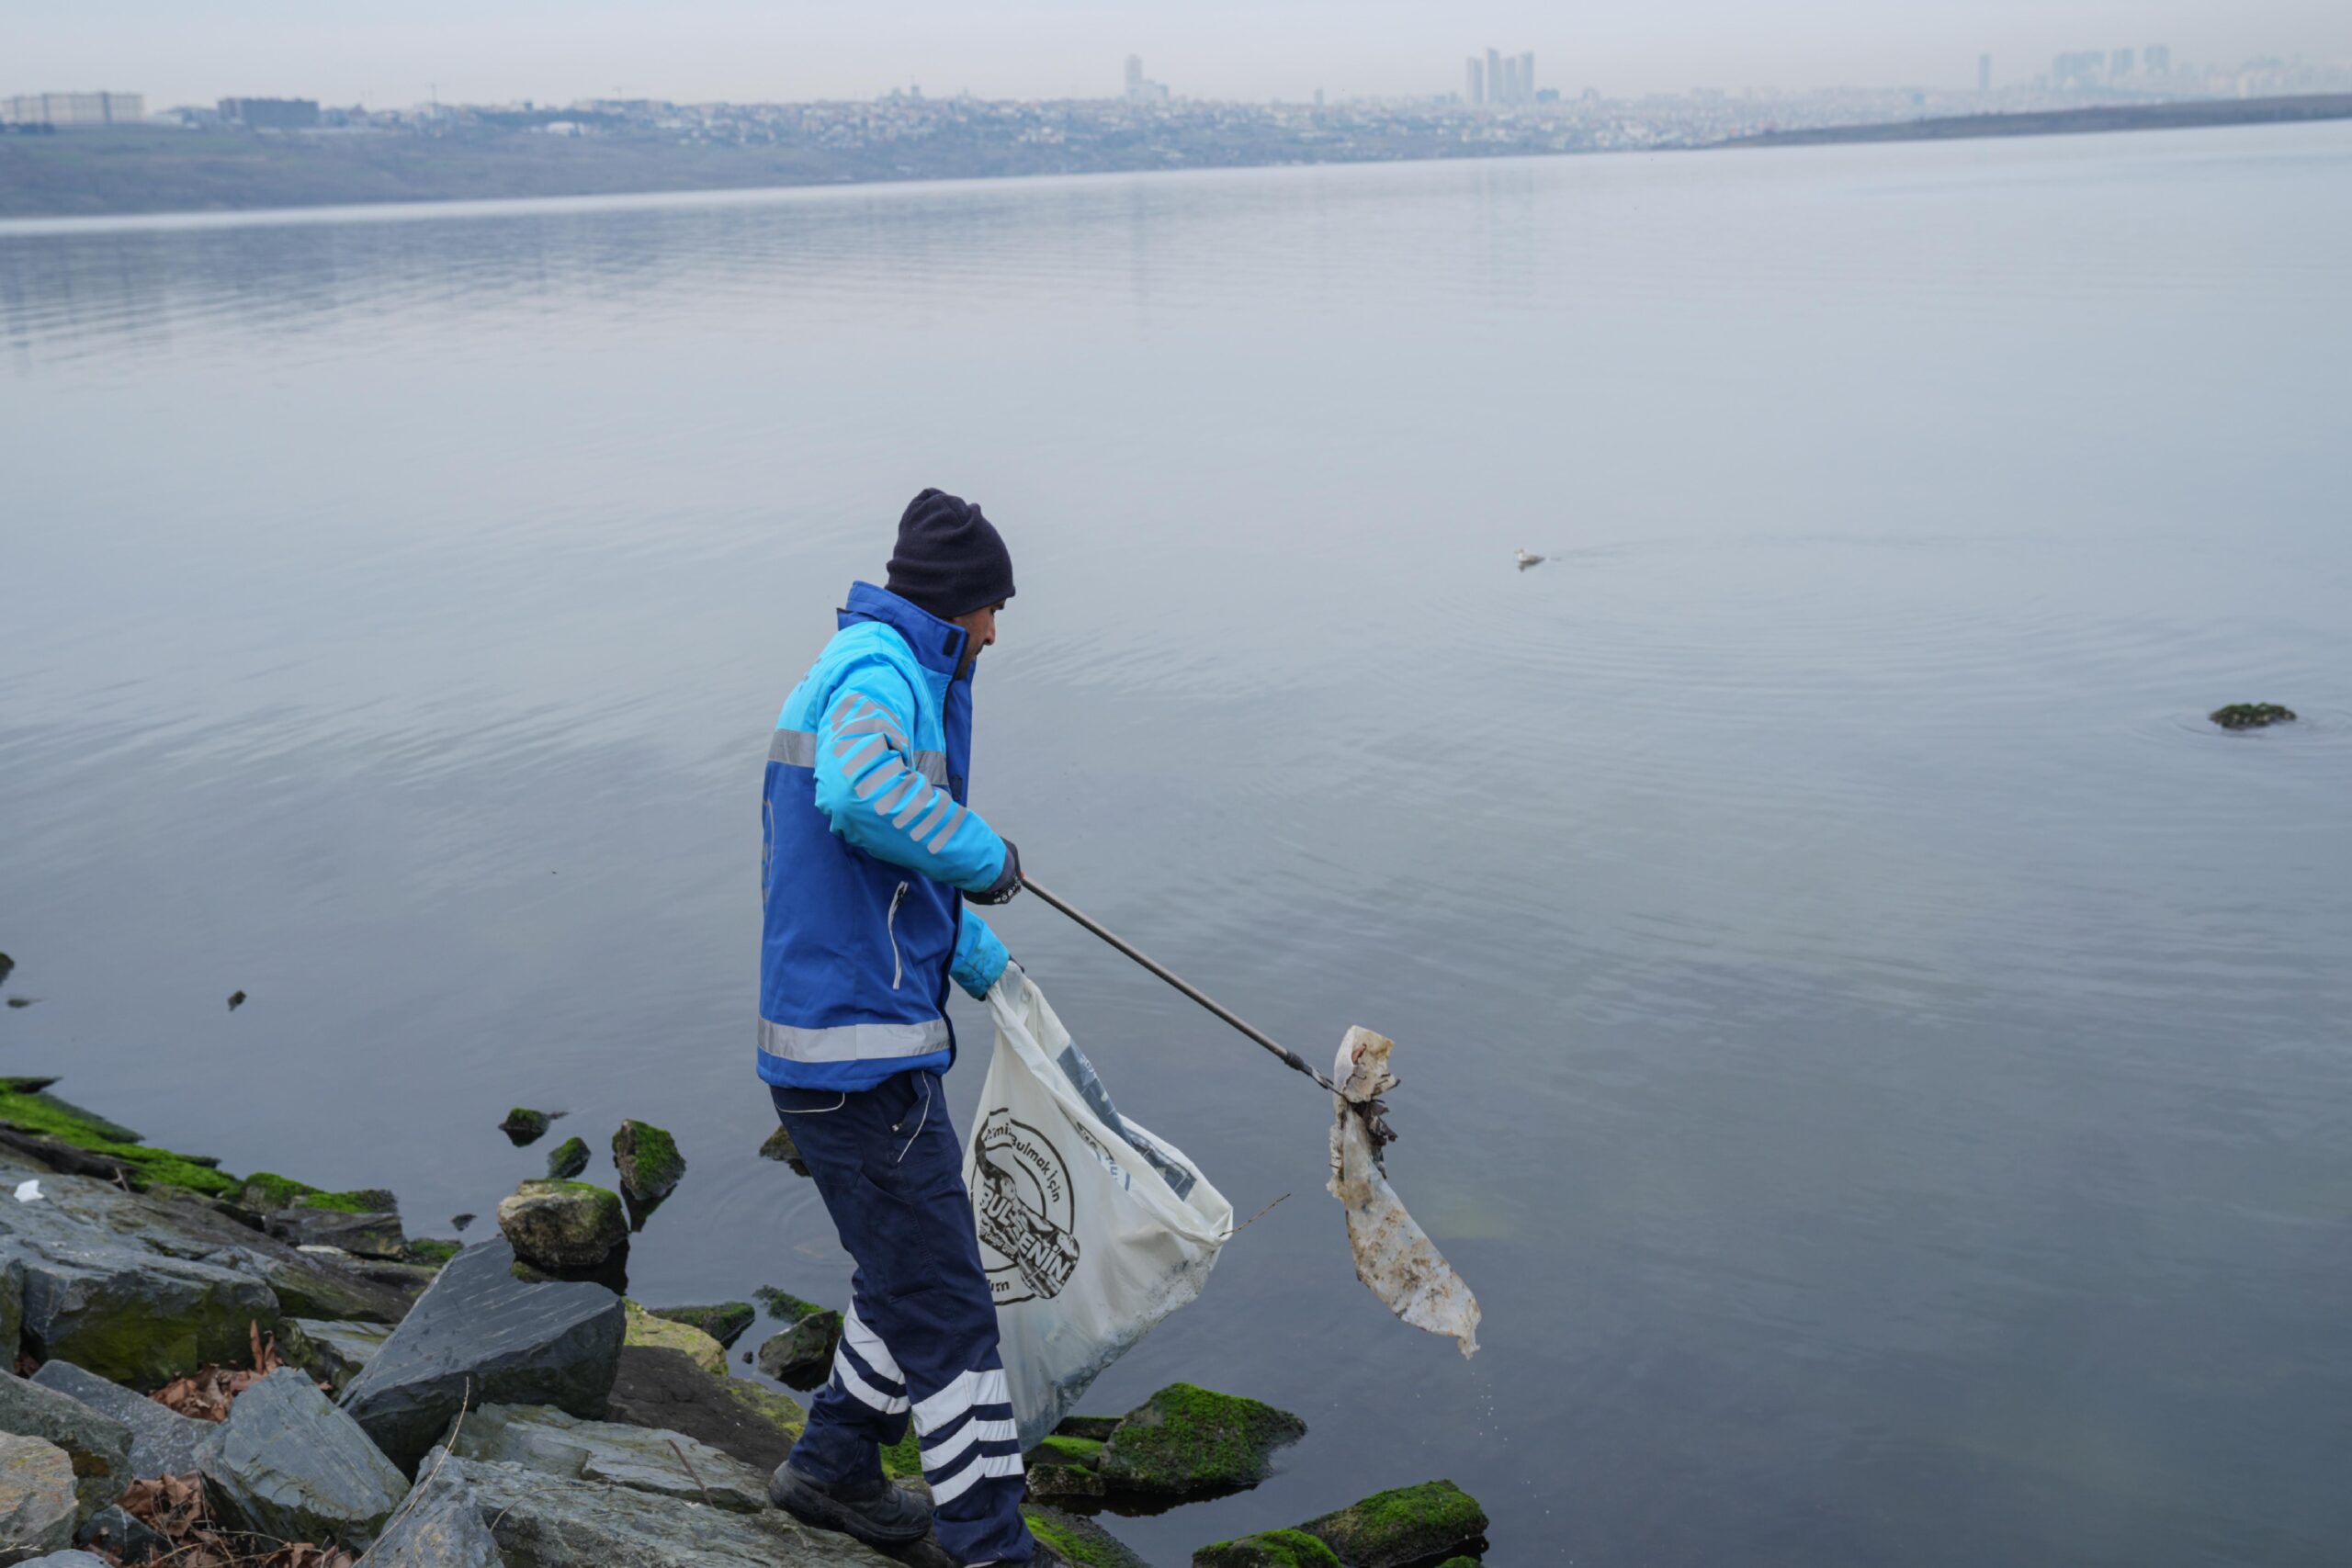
(1881, 1057)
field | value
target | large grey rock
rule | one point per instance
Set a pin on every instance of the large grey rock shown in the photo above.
(373, 1234)
(333, 1352)
(802, 1356)
(481, 1335)
(162, 1441)
(672, 1463)
(441, 1528)
(292, 1467)
(98, 1444)
(36, 1506)
(542, 1521)
(143, 1287)
(68, 1559)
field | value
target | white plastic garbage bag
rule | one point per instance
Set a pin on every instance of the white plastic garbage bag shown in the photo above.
(1092, 1230)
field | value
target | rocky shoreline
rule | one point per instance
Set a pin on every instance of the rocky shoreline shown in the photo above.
(216, 1372)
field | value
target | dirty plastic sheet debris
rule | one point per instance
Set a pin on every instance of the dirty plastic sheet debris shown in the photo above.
(1394, 1258)
(1092, 1229)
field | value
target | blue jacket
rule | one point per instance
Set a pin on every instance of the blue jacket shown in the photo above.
(867, 841)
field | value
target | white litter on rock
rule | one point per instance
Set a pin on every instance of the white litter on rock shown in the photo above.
(1394, 1258)
(28, 1190)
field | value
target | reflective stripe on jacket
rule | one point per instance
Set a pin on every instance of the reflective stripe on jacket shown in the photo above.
(867, 841)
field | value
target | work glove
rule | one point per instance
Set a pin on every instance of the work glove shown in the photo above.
(1007, 883)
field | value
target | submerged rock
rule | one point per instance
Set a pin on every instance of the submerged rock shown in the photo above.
(440, 1529)
(97, 1444)
(664, 1390)
(650, 1165)
(544, 1521)
(332, 1352)
(802, 1356)
(480, 1334)
(2251, 715)
(1399, 1528)
(292, 1467)
(646, 1328)
(724, 1323)
(525, 1126)
(1186, 1439)
(37, 1503)
(162, 1441)
(1080, 1541)
(646, 1459)
(563, 1224)
(780, 1146)
(567, 1159)
(1268, 1549)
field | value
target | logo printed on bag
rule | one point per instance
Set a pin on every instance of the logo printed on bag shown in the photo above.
(1028, 1235)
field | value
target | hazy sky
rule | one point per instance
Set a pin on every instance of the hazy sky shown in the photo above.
(386, 53)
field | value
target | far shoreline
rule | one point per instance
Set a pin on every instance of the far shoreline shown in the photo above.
(273, 202)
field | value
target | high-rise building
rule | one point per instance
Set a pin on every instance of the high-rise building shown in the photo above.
(73, 110)
(1474, 80)
(1527, 77)
(1983, 73)
(2157, 57)
(1135, 75)
(1495, 93)
(1141, 89)
(2119, 64)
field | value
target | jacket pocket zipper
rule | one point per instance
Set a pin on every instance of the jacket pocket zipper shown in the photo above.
(890, 925)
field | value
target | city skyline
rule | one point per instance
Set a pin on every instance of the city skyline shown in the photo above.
(198, 52)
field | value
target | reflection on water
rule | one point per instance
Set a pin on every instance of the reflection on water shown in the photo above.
(1877, 1052)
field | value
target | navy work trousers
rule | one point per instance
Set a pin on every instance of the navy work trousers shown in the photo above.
(919, 1340)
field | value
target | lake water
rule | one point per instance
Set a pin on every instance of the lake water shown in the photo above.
(1880, 1056)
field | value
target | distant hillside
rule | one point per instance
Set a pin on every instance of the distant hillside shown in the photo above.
(2060, 122)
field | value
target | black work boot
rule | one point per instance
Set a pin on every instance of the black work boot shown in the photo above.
(876, 1512)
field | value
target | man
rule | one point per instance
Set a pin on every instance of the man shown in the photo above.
(870, 853)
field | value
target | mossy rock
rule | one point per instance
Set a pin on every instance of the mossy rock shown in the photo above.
(783, 1305)
(268, 1191)
(2251, 715)
(1268, 1549)
(724, 1323)
(567, 1159)
(646, 1328)
(43, 1115)
(1187, 1438)
(1095, 1429)
(650, 1165)
(1410, 1525)
(431, 1252)
(1056, 1449)
(1062, 1468)
(1460, 1562)
(1080, 1540)
(563, 1224)
(781, 1409)
(801, 1357)
(365, 1200)
(780, 1146)
(525, 1126)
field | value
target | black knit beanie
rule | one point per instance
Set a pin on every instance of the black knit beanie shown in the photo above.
(949, 559)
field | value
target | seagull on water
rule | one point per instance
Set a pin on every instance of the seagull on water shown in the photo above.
(1527, 559)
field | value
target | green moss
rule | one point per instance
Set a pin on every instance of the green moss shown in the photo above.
(784, 1307)
(1411, 1524)
(1079, 1540)
(365, 1200)
(1268, 1549)
(2251, 715)
(525, 1125)
(268, 1190)
(903, 1458)
(431, 1251)
(567, 1159)
(38, 1113)
(1058, 1449)
(1052, 1534)
(1459, 1563)
(647, 1157)
(725, 1322)
(781, 1410)
(1188, 1438)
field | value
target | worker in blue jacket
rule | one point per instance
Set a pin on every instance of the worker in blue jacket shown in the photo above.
(872, 859)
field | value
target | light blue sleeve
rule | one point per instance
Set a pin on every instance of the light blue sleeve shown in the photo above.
(870, 785)
(980, 957)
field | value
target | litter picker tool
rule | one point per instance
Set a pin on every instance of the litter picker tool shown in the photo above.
(1394, 1258)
